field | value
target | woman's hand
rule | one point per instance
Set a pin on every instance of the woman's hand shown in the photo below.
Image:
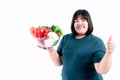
(45, 48)
(110, 45)
(42, 47)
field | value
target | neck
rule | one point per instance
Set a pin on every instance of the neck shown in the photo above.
(79, 36)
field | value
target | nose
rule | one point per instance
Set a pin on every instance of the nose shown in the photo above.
(79, 22)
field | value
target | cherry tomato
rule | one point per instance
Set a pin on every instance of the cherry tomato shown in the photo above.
(37, 32)
(42, 31)
(32, 31)
(49, 30)
(59, 34)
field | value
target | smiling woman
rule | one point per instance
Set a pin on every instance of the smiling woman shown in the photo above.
(81, 25)
(21, 59)
(82, 54)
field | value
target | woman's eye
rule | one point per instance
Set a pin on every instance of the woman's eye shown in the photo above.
(76, 20)
(83, 19)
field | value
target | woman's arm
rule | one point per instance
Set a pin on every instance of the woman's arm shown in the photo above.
(57, 60)
(105, 64)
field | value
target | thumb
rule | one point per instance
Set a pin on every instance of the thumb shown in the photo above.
(110, 39)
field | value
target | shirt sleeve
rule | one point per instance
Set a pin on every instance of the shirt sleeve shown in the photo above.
(60, 46)
(99, 51)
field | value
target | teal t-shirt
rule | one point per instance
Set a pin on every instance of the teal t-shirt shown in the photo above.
(79, 56)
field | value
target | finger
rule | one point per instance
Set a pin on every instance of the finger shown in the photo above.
(110, 39)
(39, 46)
(42, 47)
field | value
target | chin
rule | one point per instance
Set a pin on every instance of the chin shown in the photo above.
(81, 33)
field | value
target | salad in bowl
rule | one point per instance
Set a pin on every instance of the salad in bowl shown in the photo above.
(46, 36)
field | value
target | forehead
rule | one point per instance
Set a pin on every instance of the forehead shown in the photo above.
(79, 17)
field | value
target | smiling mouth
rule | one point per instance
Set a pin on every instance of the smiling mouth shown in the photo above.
(80, 27)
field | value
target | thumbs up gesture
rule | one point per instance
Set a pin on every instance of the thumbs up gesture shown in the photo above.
(110, 45)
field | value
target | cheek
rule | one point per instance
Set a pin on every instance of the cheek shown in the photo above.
(86, 25)
(74, 26)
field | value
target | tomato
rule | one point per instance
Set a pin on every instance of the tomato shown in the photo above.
(37, 32)
(42, 31)
(44, 38)
(49, 30)
(59, 34)
(32, 31)
(46, 31)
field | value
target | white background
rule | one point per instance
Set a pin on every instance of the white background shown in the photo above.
(21, 59)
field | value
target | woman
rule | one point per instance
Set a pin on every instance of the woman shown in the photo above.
(82, 54)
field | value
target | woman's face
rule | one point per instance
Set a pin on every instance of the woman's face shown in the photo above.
(81, 25)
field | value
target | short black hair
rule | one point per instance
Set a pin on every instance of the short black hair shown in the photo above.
(85, 14)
